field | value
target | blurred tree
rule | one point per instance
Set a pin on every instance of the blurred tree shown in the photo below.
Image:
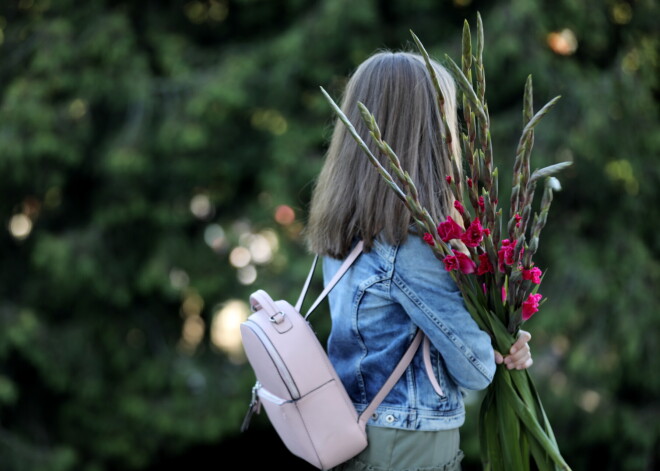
(157, 159)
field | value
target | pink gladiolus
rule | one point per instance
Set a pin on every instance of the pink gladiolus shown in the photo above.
(449, 230)
(469, 182)
(482, 204)
(451, 263)
(459, 207)
(465, 263)
(503, 294)
(533, 274)
(448, 179)
(474, 234)
(530, 306)
(459, 261)
(484, 265)
(505, 254)
(428, 238)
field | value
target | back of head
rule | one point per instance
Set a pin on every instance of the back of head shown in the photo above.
(350, 198)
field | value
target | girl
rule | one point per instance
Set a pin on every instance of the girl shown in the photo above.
(398, 285)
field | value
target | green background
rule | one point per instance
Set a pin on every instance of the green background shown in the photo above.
(146, 147)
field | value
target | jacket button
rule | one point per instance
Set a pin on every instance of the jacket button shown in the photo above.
(389, 418)
(374, 416)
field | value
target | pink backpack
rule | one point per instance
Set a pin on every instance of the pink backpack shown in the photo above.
(297, 385)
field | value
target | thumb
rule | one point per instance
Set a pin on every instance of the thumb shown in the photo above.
(498, 357)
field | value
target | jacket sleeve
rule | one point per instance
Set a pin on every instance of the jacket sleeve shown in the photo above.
(430, 296)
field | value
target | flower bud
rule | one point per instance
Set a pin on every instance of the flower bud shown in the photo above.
(533, 244)
(554, 183)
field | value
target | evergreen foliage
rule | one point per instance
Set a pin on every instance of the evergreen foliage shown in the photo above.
(141, 143)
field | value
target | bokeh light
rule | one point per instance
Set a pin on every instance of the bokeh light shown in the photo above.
(20, 226)
(192, 304)
(192, 330)
(269, 120)
(589, 401)
(562, 42)
(284, 215)
(77, 108)
(225, 328)
(240, 257)
(214, 236)
(260, 249)
(200, 206)
(621, 13)
(622, 171)
(179, 279)
(247, 275)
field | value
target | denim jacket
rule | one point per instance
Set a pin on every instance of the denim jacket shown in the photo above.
(376, 309)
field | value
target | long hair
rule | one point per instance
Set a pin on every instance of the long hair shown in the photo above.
(350, 198)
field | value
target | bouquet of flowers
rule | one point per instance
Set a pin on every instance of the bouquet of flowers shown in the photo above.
(494, 270)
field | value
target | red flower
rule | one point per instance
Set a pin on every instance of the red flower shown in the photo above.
(482, 204)
(503, 294)
(459, 261)
(459, 207)
(448, 179)
(530, 306)
(428, 238)
(474, 234)
(449, 230)
(484, 265)
(469, 182)
(451, 263)
(533, 274)
(505, 254)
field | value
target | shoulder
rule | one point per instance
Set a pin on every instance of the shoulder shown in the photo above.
(418, 265)
(415, 253)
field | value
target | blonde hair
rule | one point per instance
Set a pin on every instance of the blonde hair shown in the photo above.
(350, 198)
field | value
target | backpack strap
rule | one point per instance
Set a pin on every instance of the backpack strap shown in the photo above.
(357, 250)
(308, 281)
(394, 377)
(407, 357)
(429, 367)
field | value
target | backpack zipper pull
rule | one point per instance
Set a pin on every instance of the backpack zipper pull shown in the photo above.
(254, 407)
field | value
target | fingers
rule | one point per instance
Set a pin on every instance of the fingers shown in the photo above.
(523, 338)
(520, 356)
(519, 360)
(499, 359)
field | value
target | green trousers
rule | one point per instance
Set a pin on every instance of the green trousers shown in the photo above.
(393, 449)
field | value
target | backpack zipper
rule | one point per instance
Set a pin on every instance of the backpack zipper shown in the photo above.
(277, 359)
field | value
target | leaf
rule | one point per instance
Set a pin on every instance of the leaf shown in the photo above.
(535, 429)
(549, 170)
(509, 425)
(494, 446)
(541, 458)
(528, 106)
(483, 429)
(531, 124)
(466, 87)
